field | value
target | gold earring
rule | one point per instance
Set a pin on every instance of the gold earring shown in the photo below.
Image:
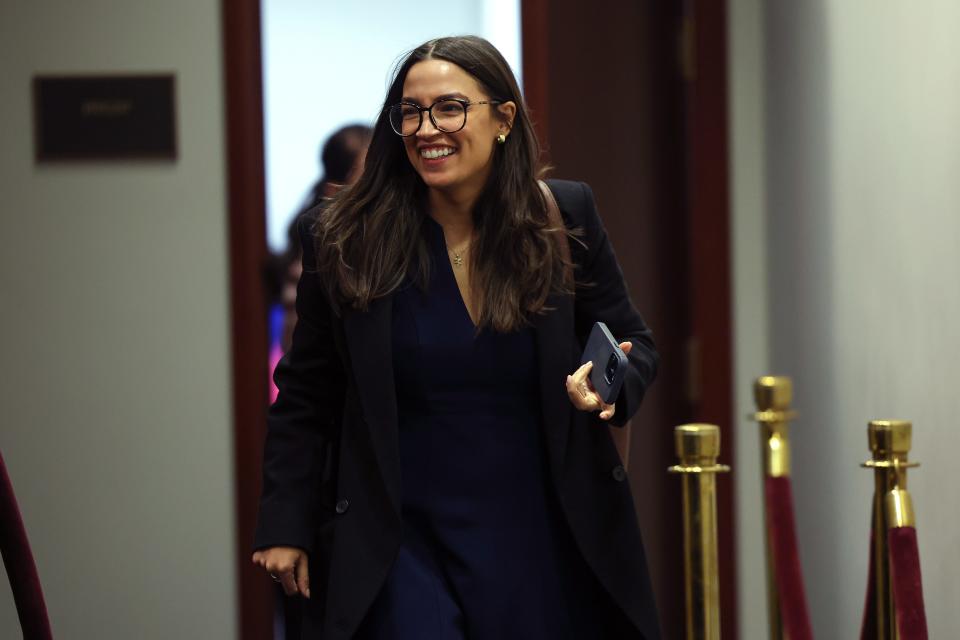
(501, 138)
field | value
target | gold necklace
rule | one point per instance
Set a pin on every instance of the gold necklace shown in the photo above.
(458, 255)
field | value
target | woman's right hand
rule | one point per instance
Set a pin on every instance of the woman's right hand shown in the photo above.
(286, 565)
(582, 394)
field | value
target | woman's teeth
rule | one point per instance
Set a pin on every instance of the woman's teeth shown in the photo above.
(436, 152)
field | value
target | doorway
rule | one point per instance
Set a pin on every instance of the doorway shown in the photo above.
(660, 179)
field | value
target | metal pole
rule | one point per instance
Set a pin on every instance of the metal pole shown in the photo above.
(773, 395)
(698, 446)
(890, 443)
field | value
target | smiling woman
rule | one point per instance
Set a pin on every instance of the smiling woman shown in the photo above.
(435, 465)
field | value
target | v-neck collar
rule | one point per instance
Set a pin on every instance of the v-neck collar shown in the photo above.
(437, 243)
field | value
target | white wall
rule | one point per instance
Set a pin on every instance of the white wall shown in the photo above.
(861, 153)
(114, 407)
(328, 64)
(750, 318)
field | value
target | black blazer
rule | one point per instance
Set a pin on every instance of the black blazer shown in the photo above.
(331, 466)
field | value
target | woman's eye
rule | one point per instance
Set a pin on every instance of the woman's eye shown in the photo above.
(449, 108)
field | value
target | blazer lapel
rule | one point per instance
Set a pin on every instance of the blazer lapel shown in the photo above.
(554, 331)
(370, 343)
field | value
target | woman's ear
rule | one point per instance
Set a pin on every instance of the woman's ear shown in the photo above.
(507, 112)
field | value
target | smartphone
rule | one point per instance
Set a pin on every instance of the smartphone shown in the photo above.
(609, 362)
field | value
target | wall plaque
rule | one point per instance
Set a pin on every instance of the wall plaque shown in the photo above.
(104, 117)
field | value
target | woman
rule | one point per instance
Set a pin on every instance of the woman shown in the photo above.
(438, 344)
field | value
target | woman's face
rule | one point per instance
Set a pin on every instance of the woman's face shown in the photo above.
(459, 162)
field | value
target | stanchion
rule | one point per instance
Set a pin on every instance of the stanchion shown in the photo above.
(786, 599)
(894, 607)
(698, 446)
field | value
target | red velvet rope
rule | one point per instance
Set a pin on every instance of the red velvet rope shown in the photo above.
(907, 587)
(18, 560)
(868, 628)
(781, 530)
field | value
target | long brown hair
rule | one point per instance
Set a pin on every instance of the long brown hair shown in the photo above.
(370, 236)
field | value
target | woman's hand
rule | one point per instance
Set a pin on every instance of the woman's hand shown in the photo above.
(286, 565)
(582, 394)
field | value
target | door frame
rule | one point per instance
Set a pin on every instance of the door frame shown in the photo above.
(246, 216)
(709, 288)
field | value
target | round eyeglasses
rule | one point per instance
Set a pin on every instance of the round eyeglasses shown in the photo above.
(448, 115)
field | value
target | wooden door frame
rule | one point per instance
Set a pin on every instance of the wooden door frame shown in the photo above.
(711, 292)
(246, 216)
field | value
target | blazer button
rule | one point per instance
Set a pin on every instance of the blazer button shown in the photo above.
(342, 506)
(619, 473)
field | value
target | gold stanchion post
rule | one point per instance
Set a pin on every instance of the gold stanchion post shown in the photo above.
(698, 446)
(773, 395)
(890, 443)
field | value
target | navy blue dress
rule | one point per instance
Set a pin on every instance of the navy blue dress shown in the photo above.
(486, 554)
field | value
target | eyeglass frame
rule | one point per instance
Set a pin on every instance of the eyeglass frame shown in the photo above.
(429, 110)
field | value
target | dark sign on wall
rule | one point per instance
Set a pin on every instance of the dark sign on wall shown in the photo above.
(104, 117)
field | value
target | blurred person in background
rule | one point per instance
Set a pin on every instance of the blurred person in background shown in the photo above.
(341, 157)
(437, 464)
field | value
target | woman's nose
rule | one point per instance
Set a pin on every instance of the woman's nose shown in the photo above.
(427, 128)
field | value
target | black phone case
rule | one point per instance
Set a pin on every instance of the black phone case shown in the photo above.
(609, 362)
